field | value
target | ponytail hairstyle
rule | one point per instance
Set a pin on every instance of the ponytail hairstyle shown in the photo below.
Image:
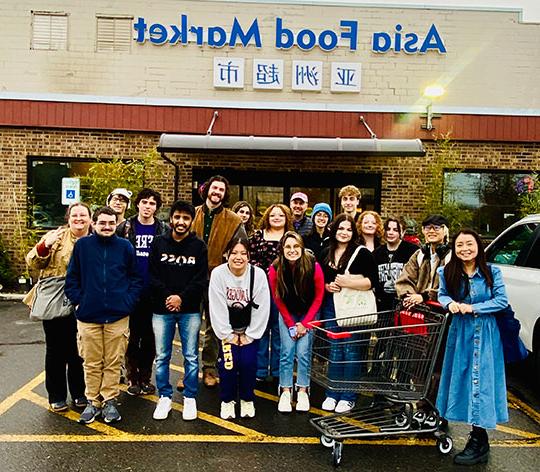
(302, 270)
(457, 281)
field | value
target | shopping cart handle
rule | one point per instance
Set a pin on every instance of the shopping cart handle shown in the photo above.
(433, 303)
(315, 323)
(342, 335)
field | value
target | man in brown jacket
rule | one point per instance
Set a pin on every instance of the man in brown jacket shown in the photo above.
(216, 225)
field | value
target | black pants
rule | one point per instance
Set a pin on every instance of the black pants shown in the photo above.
(61, 352)
(141, 349)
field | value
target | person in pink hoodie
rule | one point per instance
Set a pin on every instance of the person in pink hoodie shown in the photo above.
(297, 287)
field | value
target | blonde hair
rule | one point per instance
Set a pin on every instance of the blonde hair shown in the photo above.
(350, 190)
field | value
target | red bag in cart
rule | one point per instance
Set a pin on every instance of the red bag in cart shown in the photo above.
(408, 317)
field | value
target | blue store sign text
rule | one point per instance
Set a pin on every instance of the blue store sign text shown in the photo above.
(305, 39)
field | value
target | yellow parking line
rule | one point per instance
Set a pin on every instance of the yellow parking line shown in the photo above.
(74, 416)
(517, 432)
(19, 394)
(520, 405)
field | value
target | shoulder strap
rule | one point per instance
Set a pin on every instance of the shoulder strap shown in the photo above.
(353, 257)
(251, 284)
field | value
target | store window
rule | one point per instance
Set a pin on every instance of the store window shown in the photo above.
(49, 31)
(490, 196)
(114, 33)
(262, 189)
(44, 189)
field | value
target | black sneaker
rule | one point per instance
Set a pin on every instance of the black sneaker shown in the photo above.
(58, 406)
(134, 389)
(110, 412)
(80, 402)
(476, 452)
(147, 388)
(89, 414)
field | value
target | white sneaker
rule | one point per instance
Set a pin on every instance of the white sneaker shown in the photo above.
(344, 406)
(227, 410)
(284, 405)
(247, 409)
(190, 409)
(162, 409)
(302, 401)
(329, 404)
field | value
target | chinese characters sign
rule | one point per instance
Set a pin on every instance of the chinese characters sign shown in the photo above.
(269, 74)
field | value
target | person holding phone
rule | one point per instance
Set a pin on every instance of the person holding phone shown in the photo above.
(297, 286)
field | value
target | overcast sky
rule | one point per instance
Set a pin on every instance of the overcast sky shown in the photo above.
(531, 8)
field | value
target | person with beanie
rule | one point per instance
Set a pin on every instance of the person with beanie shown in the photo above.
(317, 239)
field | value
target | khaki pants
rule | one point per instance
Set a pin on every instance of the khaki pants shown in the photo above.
(102, 347)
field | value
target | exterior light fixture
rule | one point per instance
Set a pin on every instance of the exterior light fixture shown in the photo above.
(431, 92)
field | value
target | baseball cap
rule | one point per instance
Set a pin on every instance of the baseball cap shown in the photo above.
(122, 192)
(300, 196)
(438, 220)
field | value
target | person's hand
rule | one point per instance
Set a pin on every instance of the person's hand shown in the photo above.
(173, 303)
(333, 287)
(412, 299)
(465, 308)
(244, 340)
(453, 307)
(301, 330)
(52, 236)
(235, 340)
(344, 281)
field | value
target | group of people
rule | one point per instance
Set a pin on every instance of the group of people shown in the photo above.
(255, 289)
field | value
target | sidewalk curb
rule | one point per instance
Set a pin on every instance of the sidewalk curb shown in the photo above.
(11, 296)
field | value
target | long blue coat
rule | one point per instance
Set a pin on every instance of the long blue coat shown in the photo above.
(473, 385)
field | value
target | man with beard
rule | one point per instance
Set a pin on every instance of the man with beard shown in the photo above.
(140, 230)
(299, 204)
(216, 226)
(103, 282)
(178, 278)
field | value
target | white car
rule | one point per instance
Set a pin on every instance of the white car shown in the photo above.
(516, 251)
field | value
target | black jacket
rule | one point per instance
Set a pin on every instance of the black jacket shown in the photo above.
(178, 268)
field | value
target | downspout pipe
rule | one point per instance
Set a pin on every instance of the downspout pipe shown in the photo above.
(176, 174)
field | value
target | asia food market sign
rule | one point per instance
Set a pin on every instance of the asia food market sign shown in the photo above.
(268, 73)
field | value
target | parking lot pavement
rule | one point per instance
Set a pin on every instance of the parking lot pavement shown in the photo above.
(34, 438)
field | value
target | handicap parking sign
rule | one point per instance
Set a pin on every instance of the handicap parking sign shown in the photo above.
(70, 190)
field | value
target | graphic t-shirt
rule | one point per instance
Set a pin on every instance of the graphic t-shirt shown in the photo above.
(144, 235)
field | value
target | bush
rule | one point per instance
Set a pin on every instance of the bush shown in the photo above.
(7, 274)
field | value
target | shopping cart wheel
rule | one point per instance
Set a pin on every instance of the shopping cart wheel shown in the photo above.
(326, 441)
(445, 444)
(337, 453)
(401, 420)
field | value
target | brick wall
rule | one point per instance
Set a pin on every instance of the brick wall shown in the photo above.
(404, 180)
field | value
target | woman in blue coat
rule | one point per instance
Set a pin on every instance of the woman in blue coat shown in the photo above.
(473, 386)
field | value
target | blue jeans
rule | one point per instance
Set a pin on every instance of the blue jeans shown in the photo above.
(301, 349)
(270, 339)
(164, 326)
(344, 363)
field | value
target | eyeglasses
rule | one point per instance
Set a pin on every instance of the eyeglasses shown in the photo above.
(118, 199)
(433, 227)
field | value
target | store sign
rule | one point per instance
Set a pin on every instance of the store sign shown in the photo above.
(305, 39)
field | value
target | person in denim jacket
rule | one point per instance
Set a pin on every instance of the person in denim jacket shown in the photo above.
(473, 387)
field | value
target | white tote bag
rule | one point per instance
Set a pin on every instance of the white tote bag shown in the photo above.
(355, 307)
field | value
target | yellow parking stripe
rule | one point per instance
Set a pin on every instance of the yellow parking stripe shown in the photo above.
(520, 405)
(19, 394)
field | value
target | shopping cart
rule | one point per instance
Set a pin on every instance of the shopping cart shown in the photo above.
(389, 355)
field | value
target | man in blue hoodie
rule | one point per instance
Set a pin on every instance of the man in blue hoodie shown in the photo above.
(104, 284)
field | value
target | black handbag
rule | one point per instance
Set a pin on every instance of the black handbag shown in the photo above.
(513, 348)
(240, 317)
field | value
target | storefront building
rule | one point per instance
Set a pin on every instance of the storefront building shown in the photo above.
(95, 80)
